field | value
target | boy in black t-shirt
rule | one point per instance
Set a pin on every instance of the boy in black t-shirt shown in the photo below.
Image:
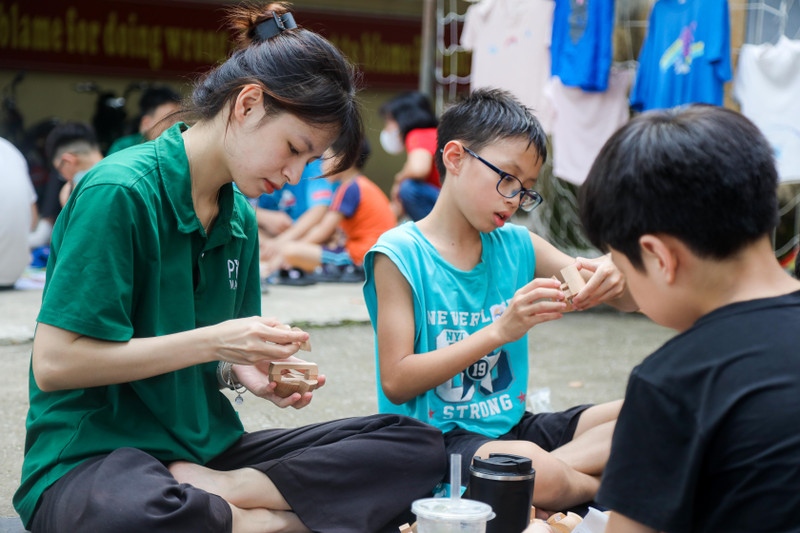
(709, 436)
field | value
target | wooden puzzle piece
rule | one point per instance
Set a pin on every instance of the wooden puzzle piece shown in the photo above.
(306, 345)
(564, 523)
(573, 281)
(293, 377)
(405, 528)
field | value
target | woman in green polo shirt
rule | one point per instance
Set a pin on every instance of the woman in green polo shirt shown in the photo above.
(153, 302)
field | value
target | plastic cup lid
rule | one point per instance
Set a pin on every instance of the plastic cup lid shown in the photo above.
(460, 509)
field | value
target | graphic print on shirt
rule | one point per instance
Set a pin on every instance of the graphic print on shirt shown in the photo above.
(488, 376)
(682, 52)
(578, 18)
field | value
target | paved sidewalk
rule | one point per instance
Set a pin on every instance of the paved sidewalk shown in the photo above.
(318, 305)
(583, 358)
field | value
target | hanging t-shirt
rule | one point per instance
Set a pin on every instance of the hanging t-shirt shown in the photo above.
(583, 121)
(686, 55)
(767, 86)
(510, 43)
(581, 49)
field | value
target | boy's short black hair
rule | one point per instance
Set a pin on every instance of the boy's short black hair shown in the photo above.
(154, 97)
(69, 133)
(411, 110)
(484, 117)
(700, 173)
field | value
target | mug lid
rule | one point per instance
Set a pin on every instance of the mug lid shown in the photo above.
(452, 509)
(502, 463)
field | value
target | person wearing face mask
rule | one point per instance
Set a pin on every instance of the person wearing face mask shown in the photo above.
(410, 125)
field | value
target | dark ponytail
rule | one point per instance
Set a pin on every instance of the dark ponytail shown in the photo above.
(299, 72)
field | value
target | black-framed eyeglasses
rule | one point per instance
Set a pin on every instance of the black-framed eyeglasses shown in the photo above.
(510, 186)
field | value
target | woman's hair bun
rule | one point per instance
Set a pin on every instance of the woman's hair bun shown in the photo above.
(246, 18)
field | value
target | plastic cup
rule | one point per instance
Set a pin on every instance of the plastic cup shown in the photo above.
(451, 515)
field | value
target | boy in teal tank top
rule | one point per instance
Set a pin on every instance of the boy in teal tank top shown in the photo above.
(452, 296)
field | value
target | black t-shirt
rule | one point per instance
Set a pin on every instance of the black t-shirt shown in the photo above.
(708, 439)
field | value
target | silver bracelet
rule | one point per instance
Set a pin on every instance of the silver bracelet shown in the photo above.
(226, 379)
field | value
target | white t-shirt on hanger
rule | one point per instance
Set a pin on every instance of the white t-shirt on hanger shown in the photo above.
(767, 85)
(510, 43)
(583, 121)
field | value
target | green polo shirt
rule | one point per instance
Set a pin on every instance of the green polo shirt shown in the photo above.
(129, 258)
(125, 142)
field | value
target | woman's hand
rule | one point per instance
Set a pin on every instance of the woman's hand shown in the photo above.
(606, 283)
(256, 379)
(539, 301)
(254, 339)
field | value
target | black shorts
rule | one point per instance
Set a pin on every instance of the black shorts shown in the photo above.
(547, 430)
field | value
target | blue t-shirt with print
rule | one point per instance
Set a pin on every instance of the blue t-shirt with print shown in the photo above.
(489, 396)
(294, 200)
(686, 56)
(581, 43)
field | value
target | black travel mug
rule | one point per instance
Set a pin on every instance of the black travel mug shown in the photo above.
(505, 482)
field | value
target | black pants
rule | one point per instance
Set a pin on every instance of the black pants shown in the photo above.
(355, 475)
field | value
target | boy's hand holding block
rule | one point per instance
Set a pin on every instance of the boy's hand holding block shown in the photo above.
(293, 377)
(573, 283)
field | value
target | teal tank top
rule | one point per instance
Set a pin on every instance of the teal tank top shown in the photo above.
(450, 304)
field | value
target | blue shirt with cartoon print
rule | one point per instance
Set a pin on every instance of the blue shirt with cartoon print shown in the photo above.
(686, 56)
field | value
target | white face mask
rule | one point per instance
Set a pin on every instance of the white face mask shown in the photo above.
(391, 142)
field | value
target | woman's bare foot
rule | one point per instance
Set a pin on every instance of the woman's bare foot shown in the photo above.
(246, 488)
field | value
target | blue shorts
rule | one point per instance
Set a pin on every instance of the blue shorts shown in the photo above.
(338, 256)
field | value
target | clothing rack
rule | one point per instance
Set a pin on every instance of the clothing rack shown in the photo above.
(449, 19)
(773, 19)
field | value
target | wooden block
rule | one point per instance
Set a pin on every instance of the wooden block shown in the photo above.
(573, 280)
(305, 345)
(567, 295)
(293, 377)
(405, 528)
(564, 523)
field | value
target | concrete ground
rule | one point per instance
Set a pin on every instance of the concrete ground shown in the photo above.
(585, 357)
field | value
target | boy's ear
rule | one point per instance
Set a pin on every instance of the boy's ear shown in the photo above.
(249, 100)
(453, 155)
(659, 257)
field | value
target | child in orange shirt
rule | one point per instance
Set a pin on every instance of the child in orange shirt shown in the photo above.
(361, 210)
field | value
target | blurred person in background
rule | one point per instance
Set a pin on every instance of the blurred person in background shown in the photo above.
(156, 104)
(18, 213)
(73, 150)
(410, 125)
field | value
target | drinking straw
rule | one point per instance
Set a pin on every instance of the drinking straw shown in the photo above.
(455, 476)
